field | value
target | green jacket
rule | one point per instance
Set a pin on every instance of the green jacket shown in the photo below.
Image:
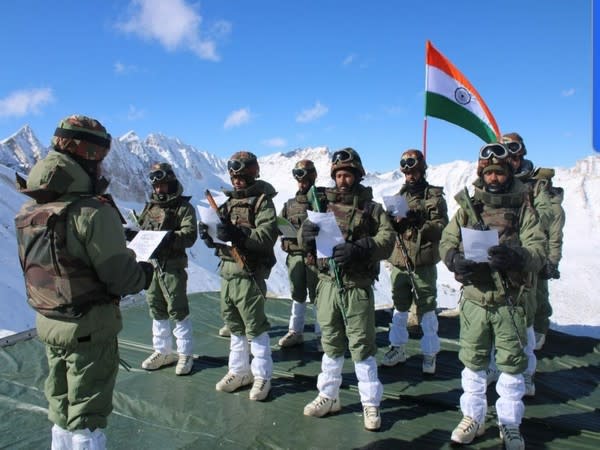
(94, 235)
(253, 209)
(555, 229)
(358, 216)
(484, 287)
(422, 241)
(174, 214)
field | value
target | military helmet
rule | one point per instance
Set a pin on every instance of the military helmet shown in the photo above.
(515, 144)
(161, 173)
(494, 156)
(243, 164)
(349, 159)
(412, 159)
(305, 169)
(82, 136)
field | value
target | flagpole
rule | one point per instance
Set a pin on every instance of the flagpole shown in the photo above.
(425, 103)
(425, 138)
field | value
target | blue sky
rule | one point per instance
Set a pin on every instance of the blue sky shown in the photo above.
(275, 75)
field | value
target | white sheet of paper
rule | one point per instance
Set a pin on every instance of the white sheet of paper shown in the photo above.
(287, 230)
(476, 243)
(145, 242)
(396, 205)
(208, 216)
(329, 235)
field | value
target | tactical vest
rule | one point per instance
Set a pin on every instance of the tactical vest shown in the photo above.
(356, 219)
(156, 217)
(421, 252)
(58, 284)
(295, 210)
(242, 213)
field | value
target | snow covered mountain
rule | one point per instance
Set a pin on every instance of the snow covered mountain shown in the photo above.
(573, 296)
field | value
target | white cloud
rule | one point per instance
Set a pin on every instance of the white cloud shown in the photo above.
(123, 69)
(349, 59)
(568, 92)
(26, 101)
(237, 118)
(175, 24)
(309, 115)
(275, 142)
(134, 113)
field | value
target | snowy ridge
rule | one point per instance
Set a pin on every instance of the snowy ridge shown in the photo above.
(575, 307)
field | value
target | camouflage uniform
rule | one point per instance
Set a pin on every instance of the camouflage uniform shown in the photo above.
(81, 348)
(345, 303)
(302, 269)
(167, 295)
(486, 318)
(420, 233)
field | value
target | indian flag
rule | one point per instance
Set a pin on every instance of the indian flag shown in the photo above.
(451, 97)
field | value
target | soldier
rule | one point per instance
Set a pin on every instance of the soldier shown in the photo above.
(547, 201)
(250, 224)
(301, 266)
(492, 312)
(169, 210)
(345, 301)
(75, 279)
(418, 234)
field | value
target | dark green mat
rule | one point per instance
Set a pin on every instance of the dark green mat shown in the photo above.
(158, 410)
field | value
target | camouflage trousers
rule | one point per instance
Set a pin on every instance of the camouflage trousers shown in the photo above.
(80, 384)
(543, 310)
(425, 281)
(484, 326)
(243, 306)
(347, 320)
(167, 294)
(302, 278)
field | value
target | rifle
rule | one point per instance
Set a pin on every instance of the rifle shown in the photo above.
(480, 225)
(409, 268)
(233, 250)
(314, 199)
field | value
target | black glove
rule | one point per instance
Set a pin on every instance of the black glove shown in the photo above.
(504, 258)
(457, 263)
(229, 232)
(130, 233)
(549, 271)
(347, 252)
(415, 218)
(203, 233)
(309, 233)
(148, 272)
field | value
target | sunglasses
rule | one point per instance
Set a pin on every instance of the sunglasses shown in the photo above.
(514, 147)
(157, 175)
(493, 150)
(408, 163)
(300, 173)
(235, 166)
(341, 156)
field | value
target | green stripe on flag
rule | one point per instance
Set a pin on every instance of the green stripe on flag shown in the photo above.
(437, 105)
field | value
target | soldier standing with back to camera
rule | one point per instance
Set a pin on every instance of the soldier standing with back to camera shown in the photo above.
(345, 300)
(420, 232)
(302, 268)
(76, 269)
(492, 312)
(169, 210)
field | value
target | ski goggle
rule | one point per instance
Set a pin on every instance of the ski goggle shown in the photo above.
(300, 173)
(157, 176)
(514, 147)
(235, 166)
(493, 150)
(408, 163)
(341, 156)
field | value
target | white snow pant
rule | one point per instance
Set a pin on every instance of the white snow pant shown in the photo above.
(369, 386)
(430, 342)
(61, 438)
(162, 339)
(531, 358)
(297, 317)
(398, 333)
(89, 440)
(317, 326)
(473, 401)
(330, 378)
(239, 355)
(262, 363)
(509, 406)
